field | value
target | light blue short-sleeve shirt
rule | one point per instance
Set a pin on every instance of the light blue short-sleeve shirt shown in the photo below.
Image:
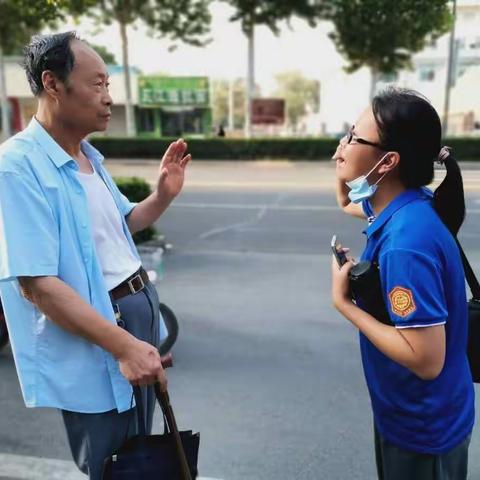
(45, 230)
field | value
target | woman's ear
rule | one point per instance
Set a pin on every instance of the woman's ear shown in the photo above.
(392, 160)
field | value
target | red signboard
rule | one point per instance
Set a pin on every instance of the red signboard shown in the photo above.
(268, 111)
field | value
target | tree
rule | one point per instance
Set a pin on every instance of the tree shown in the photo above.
(183, 20)
(383, 34)
(107, 56)
(221, 102)
(269, 13)
(301, 95)
(19, 19)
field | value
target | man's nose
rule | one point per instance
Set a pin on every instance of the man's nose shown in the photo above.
(107, 100)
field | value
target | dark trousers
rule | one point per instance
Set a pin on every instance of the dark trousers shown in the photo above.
(394, 463)
(93, 437)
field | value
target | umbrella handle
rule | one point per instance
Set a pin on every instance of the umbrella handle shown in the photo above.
(164, 401)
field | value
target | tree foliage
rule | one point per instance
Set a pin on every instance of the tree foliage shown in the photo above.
(301, 95)
(220, 102)
(184, 20)
(107, 56)
(383, 34)
(19, 19)
(271, 12)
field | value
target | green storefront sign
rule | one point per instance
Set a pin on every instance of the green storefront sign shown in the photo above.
(173, 91)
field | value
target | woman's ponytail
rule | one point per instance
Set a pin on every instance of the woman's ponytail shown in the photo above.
(449, 198)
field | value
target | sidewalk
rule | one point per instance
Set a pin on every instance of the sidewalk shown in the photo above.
(262, 175)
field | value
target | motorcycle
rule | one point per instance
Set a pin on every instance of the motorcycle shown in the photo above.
(3, 328)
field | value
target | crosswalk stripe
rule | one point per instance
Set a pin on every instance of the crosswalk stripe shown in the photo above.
(23, 467)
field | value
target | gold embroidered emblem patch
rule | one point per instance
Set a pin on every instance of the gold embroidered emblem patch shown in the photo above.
(401, 301)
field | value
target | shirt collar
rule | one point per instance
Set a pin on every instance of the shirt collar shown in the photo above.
(396, 204)
(56, 153)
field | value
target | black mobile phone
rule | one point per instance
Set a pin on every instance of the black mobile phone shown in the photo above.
(338, 252)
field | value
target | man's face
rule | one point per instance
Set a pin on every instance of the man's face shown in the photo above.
(83, 101)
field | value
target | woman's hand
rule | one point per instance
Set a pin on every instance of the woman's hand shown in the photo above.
(340, 282)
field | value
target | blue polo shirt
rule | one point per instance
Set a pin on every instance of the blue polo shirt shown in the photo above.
(423, 285)
(45, 229)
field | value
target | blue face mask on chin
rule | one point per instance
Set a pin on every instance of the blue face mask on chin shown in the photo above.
(360, 189)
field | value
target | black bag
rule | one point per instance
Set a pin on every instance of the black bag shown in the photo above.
(171, 456)
(473, 345)
(366, 288)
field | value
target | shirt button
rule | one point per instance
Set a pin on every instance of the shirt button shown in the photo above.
(85, 259)
(84, 225)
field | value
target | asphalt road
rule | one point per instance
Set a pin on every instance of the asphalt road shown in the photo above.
(264, 368)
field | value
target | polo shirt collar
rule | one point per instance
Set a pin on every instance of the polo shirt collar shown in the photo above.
(396, 204)
(56, 153)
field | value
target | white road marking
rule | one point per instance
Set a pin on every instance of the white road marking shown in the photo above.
(250, 206)
(22, 467)
(266, 207)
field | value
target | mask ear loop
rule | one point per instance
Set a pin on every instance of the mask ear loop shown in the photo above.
(375, 166)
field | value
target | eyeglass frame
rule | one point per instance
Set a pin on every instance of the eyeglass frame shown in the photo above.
(350, 136)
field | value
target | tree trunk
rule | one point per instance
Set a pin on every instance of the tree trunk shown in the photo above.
(374, 81)
(231, 104)
(129, 112)
(6, 130)
(250, 82)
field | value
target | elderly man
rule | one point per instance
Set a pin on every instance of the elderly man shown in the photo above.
(82, 315)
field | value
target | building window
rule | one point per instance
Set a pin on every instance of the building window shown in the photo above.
(475, 43)
(427, 74)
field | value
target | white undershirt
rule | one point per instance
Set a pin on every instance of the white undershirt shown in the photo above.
(113, 250)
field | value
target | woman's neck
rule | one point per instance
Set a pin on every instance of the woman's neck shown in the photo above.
(386, 192)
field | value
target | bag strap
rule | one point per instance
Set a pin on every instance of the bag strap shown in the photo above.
(137, 391)
(164, 401)
(469, 274)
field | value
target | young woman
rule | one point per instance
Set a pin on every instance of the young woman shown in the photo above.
(416, 368)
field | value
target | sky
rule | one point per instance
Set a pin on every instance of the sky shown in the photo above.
(298, 47)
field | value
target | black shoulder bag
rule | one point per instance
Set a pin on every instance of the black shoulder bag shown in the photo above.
(365, 286)
(473, 345)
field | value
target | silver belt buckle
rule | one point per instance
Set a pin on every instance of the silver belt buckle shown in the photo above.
(132, 288)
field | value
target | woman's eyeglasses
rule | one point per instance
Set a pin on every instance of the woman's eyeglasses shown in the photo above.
(351, 139)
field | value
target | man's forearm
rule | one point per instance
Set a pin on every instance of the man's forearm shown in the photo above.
(148, 211)
(64, 307)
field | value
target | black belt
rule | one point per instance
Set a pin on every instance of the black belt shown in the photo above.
(133, 284)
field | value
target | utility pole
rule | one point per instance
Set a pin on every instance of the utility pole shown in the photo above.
(250, 81)
(450, 72)
(4, 106)
(231, 104)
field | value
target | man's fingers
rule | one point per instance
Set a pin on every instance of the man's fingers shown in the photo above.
(162, 380)
(185, 160)
(170, 154)
(181, 149)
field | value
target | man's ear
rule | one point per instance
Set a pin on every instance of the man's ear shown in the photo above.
(51, 84)
(392, 160)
